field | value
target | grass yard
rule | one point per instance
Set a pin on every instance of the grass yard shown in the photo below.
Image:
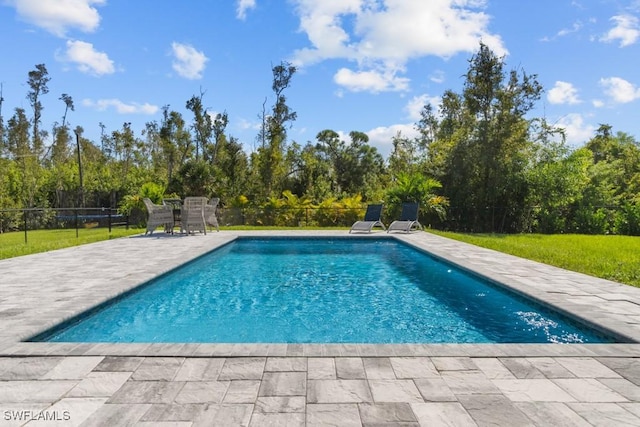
(614, 258)
(12, 244)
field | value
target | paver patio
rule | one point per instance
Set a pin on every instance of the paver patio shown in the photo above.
(302, 384)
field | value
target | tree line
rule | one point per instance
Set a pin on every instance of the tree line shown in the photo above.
(480, 162)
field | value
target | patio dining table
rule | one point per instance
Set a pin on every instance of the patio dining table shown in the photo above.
(176, 205)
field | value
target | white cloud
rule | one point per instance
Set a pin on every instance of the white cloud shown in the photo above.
(577, 5)
(626, 29)
(415, 106)
(243, 6)
(577, 26)
(371, 81)
(59, 16)
(245, 124)
(620, 90)
(121, 107)
(563, 93)
(437, 76)
(188, 62)
(576, 130)
(382, 137)
(379, 35)
(87, 59)
(598, 103)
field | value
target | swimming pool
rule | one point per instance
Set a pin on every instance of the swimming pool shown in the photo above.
(330, 290)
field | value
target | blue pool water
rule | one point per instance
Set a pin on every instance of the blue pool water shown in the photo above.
(320, 291)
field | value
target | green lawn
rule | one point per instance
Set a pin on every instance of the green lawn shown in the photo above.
(12, 244)
(610, 257)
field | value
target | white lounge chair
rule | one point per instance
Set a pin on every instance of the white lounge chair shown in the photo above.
(408, 219)
(192, 215)
(371, 219)
(158, 215)
(210, 213)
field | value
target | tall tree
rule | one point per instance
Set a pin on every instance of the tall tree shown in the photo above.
(18, 144)
(124, 142)
(175, 141)
(282, 114)
(220, 123)
(18, 135)
(61, 136)
(332, 148)
(311, 175)
(270, 158)
(403, 157)
(38, 85)
(68, 105)
(233, 166)
(355, 167)
(440, 137)
(610, 202)
(556, 179)
(202, 125)
(2, 139)
(484, 143)
(427, 127)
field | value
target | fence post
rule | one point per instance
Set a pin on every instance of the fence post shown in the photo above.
(109, 220)
(24, 215)
(76, 223)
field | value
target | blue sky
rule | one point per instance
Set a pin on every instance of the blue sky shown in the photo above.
(365, 65)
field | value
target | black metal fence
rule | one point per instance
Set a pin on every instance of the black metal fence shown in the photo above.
(24, 220)
(604, 220)
(68, 218)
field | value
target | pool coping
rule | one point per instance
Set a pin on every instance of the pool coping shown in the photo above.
(126, 263)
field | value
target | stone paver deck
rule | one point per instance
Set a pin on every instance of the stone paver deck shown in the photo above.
(103, 384)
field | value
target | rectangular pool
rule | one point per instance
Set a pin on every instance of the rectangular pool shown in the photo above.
(320, 290)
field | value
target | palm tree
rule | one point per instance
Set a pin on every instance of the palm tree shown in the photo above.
(415, 187)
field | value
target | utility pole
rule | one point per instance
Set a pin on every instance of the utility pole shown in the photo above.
(79, 167)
